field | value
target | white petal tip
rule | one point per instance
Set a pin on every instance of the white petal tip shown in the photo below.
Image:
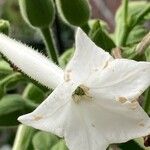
(24, 119)
(79, 32)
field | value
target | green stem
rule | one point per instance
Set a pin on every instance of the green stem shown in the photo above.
(143, 45)
(23, 138)
(24, 133)
(125, 19)
(50, 46)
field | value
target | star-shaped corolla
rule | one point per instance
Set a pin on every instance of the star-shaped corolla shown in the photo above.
(95, 104)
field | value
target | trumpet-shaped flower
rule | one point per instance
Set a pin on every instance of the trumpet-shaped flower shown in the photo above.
(94, 103)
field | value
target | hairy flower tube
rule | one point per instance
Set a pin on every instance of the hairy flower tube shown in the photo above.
(94, 102)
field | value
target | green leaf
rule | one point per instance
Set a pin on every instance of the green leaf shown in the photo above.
(60, 146)
(147, 53)
(146, 104)
(11, 107)
(34, 93)
(44, 141)
(130, 145)
(136, 144)
(140, 141)
(130, 53)
(65, 57)
(103, 24)
(101, 38)
(138, 13)
(136, 35)
(12, 79)
(4, 27)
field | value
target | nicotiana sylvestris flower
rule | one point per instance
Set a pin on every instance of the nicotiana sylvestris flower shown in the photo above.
(95, 104)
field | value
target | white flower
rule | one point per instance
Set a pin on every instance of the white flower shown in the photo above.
(96, 102)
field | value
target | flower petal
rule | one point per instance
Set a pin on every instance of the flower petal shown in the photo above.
(87, 59)
(122, 78)
(107, 126)
(80, 134)
(52, 114)
(31, 62)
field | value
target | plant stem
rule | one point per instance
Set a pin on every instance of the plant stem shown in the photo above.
(125, 27)
(50, 46)
(23, 138)
(24, 133)
(143, 45)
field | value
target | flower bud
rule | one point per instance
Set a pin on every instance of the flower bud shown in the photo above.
(75, 12)
(4, 27)
(37, 13)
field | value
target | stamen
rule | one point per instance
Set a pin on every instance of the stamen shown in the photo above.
(80, 92)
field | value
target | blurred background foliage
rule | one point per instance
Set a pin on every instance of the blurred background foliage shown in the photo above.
(107, 27)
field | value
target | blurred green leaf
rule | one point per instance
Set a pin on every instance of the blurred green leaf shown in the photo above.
(136, 35)
(60, 146)
(11, 107)
(5, 67)
(130, 145)
(34, 93)
(12, 79)
(140, 51)
(44, 141)
(103, 24)
(65, 57)
(140, 141)
(147, 54)
(146, 102)
(138, 13)
(19, 29)
(101, 38)
(4, 27)
(130, 53)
